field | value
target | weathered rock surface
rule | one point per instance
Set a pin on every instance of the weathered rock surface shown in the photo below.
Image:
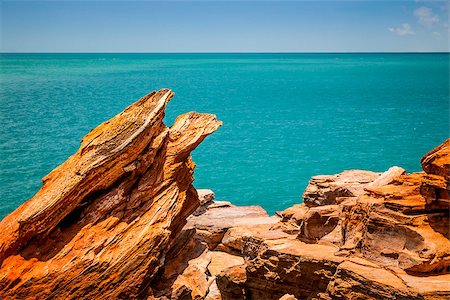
(205, 196)
(386, 240)
(378, 236)
(120, 219)
(436, 161)
(212, 225)
(329, 189)
(103, 221)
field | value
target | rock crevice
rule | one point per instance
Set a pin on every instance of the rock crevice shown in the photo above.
(120, 219)
(103, 221)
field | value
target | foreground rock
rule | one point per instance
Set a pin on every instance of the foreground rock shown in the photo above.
(359, 235)
(120, 219)
(103, 221)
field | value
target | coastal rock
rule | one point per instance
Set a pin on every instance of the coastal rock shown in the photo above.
(212, 225)
(328, 189)
(285, 265)
(198, 255)
(120, 219)
(231, 283)
(401, 229)
(235, 236)
(360, 279)
(387, 177)
(104, 220)
(387, 240)
(221, 261)
(313, 223)
(205, 196)
(437, 161)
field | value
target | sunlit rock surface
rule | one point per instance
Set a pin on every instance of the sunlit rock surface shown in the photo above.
(359, 235)
(120, 219)
(103, 221)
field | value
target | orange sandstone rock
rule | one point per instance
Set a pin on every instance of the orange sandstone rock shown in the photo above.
(113, 222)
(360, 235)
(103, 221)
(437, 161)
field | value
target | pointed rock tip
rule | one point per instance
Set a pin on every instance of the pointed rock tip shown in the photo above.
(147, 107)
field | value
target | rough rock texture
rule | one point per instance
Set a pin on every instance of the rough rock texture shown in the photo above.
(329, 189)
(202, 252)
(212, 225)
(386, 240)
(121, 219)
(436, 161)
(362, 235)
(103, 221)
(205, 197)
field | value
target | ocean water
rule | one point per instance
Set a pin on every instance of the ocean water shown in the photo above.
(286, 117)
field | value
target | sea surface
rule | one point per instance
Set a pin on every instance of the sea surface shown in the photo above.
(286, 117)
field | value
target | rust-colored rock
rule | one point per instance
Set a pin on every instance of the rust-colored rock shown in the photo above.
(329, 189)
(121, 219)
(437, 161)
(378, 236)
(103, 221)
(359, 235)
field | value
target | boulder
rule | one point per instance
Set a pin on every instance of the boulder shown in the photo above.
(205, 196)
(387, 177)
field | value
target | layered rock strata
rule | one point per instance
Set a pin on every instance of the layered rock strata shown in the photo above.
(103, 221)
(120, 219)
(358, 235)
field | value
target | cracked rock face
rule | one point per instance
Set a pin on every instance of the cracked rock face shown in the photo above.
(120, 219)
(370, 236)
(103, 221)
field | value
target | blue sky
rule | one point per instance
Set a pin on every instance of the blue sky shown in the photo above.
(224, 26)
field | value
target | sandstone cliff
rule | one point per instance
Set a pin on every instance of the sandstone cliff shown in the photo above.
(358, 235)
(103, 221)
(120, 219)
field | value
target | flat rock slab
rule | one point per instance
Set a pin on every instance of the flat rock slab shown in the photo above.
(226, 217)
(234, 236)
(221, 261)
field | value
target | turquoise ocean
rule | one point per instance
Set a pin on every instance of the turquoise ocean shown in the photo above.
(286, 117)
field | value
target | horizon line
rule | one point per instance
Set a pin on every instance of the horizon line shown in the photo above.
(228, 52)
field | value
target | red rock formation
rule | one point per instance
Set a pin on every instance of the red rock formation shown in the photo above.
(359, 235)
(121, 219)
(103, 221)
(389, 240)
(437, 161)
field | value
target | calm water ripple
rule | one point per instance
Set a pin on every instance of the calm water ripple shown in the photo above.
(286, 116)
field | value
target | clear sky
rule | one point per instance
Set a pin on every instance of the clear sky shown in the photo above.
(224, 26)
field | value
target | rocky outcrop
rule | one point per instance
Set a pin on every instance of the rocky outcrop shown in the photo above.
(436, 161)
(332, 189)
(103, 221)
(387, 239)
(120, 219)
(377, 236)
